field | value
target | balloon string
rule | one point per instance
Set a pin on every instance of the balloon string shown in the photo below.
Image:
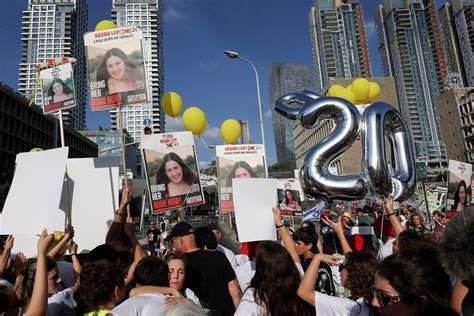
(205, 144)
(177, 121)
(34, 89)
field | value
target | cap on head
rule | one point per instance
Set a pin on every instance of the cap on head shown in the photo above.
(179, 230)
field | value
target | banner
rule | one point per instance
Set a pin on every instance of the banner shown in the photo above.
(237, 161)
(57, 86)
(459, 187)
(290, 196)
(116, 68)
(435, 195)
(172, 171)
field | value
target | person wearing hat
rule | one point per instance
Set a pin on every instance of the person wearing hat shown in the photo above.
(209, 273)
(226, 251)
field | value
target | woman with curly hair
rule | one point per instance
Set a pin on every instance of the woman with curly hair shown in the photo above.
(101, 287)
(175, 175)
(59, 91)
(357, 275)
(118, 72)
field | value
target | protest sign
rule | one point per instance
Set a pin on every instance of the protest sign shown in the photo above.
(290, 196)
(459, 187)
(93, 205)
(253, 202)
(237, 161)
(172, 171)
(35, 193)
(116, 67)
(57, 85)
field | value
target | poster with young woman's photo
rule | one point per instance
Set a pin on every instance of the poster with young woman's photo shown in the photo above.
(237, 161)
(459, 187)
(290, 196)
(172, 171)
(116, 68)
(57, 86)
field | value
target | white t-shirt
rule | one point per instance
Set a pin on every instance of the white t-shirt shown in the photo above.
(247, 305)
(338, 306)
(142, 305)
(245, 273)
(190, 294)
(229, 254)
(386, 250)
(62, 303)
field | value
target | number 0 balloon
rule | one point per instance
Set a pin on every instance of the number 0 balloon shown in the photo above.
(379, 120)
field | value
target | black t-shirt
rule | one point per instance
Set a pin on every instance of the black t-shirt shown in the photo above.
(208, 275)
(324, 282)
(153, 235)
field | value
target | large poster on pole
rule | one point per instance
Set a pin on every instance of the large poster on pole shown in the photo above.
(57, 86)
(290, 196)
(116, 68)
(459, 187)
(237, 161)
(172, 171)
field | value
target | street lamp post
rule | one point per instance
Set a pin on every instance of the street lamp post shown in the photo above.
(235, 55)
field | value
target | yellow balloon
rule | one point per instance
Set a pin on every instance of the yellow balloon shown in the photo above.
(346, 94)
(230, 131)
(374, 91)
(194, 120)
(333, 89)
(105, 25)
(35, 150)
(360, 87)
(172, 104)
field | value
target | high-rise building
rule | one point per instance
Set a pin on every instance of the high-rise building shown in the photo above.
(284, 78)
(339, 41)
(463, 13)
(147, 15)
(52, 29)
(456, 77)
(455, 109)
(411, 47)
(245, 134)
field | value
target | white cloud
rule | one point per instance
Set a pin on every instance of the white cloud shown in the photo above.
(212, 133)
(172, 14)
(267, 115)
(370, 28)
(174, 10)
(203, 164)
(173, 124)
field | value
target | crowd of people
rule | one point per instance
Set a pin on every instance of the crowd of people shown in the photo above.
(322, 268)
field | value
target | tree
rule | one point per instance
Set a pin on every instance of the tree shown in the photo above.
(211, 169)
(282, 166)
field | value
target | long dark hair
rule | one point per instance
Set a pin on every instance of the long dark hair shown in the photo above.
(188, 175)
(66, 89)
(462, 183)
(416, 273)
(276, 281)
(103, 74)
(237, 165)
(26, 280)
(361, 269)
(286, 200)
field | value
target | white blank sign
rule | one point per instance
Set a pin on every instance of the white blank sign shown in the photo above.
(254, 199)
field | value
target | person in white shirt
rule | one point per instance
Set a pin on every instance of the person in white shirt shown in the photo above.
(357, 275)
(228, 253)
(272, 290)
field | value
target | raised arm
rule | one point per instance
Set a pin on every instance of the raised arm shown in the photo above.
(306, 288)
(76, 265)
(68, 235)
(120, 215)
(288, 242)
(394, 220)
(138, 252)
(39, 298)
(339, 231)
(234, 291)
(7, 249)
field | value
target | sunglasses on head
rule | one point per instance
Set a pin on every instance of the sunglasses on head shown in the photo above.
(385, 299)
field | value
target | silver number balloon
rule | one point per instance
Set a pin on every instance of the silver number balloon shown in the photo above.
(310, 110)
(381, 120)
